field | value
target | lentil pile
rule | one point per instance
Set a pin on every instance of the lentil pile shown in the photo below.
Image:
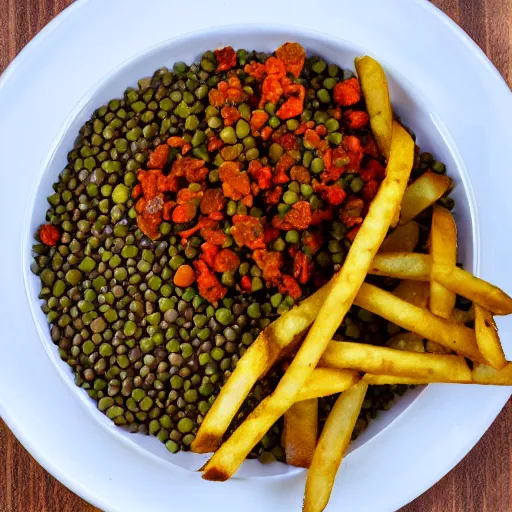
(194, 211)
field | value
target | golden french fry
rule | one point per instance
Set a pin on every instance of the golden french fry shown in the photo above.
(328, 381)
(402, 239)
(382, 380)
(300, 432)
(457, 337)
(477, 290)
(333, 442)
(280, 335)
(422, 193)
(463, 317)
(407, 341)
(414, 292)
(345, 285)
(443, 249)
(376, 95)
(432, 347)
(400, 363)
(402, 265)
(396, 218)
(484, 374)
(419, 267)
(487, 338)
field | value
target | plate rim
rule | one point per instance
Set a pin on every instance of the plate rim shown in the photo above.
(24, 56)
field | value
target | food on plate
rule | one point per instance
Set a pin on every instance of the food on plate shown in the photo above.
(473, 288)
(487, 338)
(328, 381)
(153, 294)
(406, 265)
(332, 444)
(452, 335)
(417, 266)
(300, 431)
(281, 335)
(386, 380)
(443, 249)
(422, 193)
(390, 361)
(222, 266)
(376, 94)
(346, 283)
(485, 374)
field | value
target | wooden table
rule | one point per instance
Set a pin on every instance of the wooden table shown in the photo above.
(481, 482)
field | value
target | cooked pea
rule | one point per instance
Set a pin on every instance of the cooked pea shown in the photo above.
(306, 190)
(275, 151)
(333, 70)
(323, 95)
(334, 138)
(254, 310)
(317, 165)
(243, 129)
(279, 245)
(292, 124)
(356, 184)
(185, 425)
(329, 83)
(439, 167)
(252, 153)
(323, 259)
(274, 122)
(332, 124)
(228, 135)
(307, 158)
(292, 236)
(290, 197)
(319, 66)
(224, 316)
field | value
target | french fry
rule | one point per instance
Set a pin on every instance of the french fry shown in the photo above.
(376, 94)
(328, 381)
(333, 442)
(345, 285)
(382, 380)
(389, 361)
(457, 337)
(485, 374)
(414, 292)
(482, 374)
(422, 193)
(402, 265)
(300, 432)
(407, 341)
(419, 267)
(402, 239)
(281, 335)
(396, 218)
(487, 338)
(443, 249)
(477, 290)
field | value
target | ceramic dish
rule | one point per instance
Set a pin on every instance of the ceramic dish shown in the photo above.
(119, 471)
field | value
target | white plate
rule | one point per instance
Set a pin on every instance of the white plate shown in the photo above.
(443, 98)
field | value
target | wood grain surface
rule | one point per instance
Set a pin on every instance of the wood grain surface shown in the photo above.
(482, 482)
